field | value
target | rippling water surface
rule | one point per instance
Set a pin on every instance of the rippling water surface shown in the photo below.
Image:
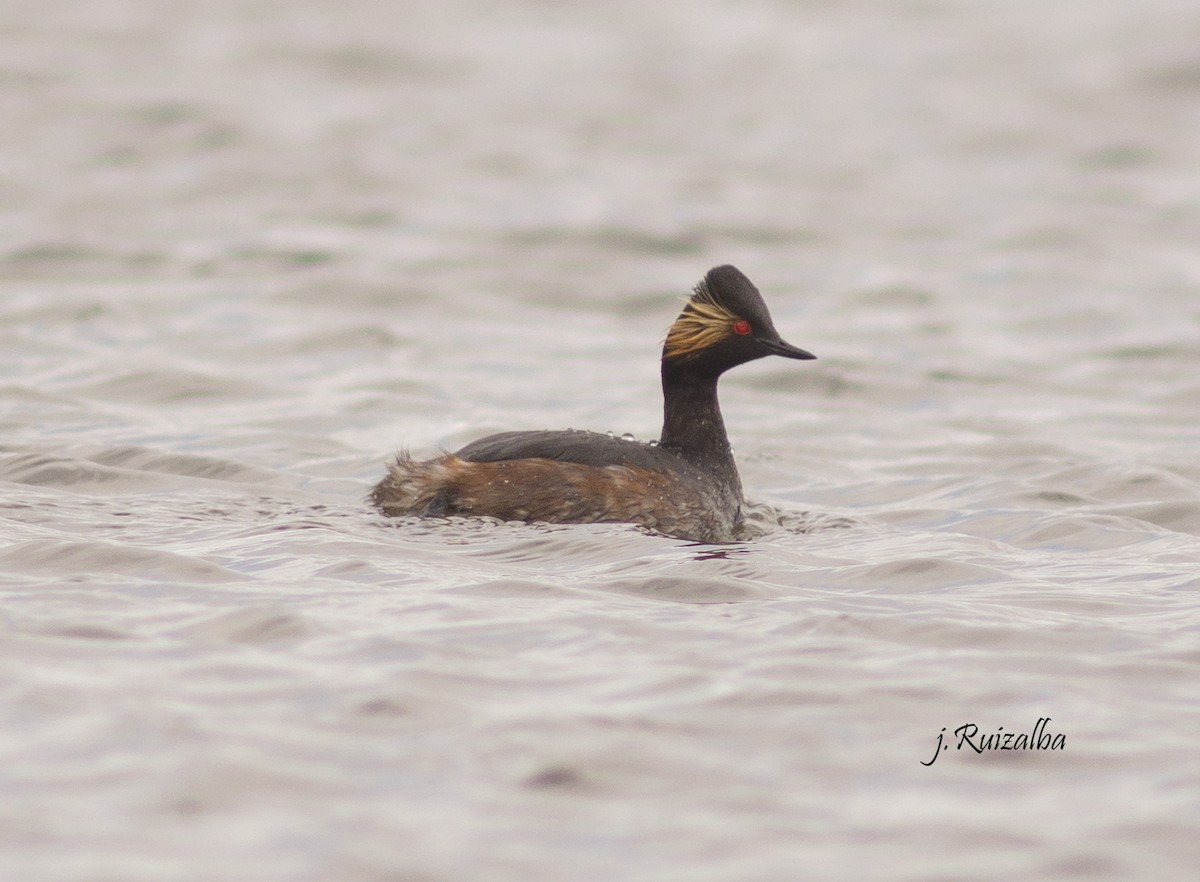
(251, 249)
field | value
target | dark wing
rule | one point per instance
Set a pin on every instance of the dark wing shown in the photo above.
(585, 448)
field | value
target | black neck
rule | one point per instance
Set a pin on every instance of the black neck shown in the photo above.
(692, 423)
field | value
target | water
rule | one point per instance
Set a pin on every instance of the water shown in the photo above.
(251, 249)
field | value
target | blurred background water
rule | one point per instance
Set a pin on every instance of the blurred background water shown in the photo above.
(249, 249)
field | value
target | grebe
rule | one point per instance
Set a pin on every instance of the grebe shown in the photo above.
(686, 485)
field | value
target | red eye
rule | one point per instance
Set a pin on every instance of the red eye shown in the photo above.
(741, 326)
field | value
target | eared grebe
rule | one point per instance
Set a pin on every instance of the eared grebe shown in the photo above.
(686, 485)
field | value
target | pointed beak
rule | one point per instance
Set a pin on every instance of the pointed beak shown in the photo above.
(787, 350)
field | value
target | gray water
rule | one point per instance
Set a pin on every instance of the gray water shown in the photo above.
(248, 250)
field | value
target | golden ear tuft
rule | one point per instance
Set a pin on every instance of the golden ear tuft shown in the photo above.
(702, 323)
